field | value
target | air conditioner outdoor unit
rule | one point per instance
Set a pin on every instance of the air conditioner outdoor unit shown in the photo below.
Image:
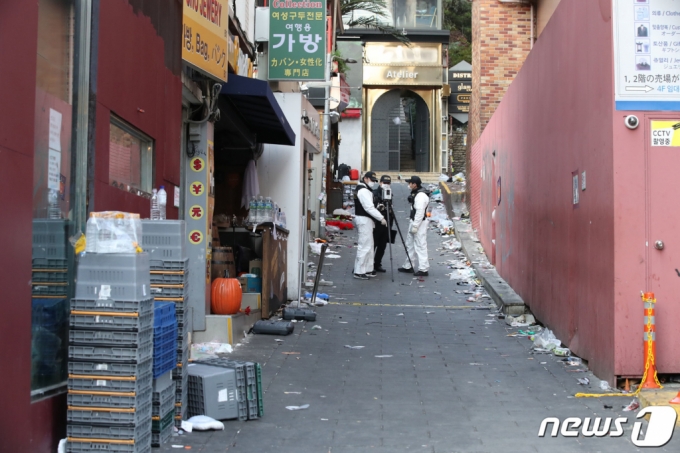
(262, 24)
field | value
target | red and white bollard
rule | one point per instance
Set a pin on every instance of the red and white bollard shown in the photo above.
(650, 380)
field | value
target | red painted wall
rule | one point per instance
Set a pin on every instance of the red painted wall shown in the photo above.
(134, 83)
(26, 427)
(555, 119)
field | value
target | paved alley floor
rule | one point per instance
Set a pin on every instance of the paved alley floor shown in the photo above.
(435, 374)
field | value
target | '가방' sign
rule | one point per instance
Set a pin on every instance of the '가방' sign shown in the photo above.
(647, 54)
(205, 25)
(297, 40)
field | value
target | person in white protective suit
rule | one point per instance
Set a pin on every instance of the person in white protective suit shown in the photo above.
(365, 215)
(416, 240)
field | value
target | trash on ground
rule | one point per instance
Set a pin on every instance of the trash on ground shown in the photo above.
(383, 356)
(604, 385)
(290, 353)
(562, 352)
(400, 314)
(293, 393)
(297, 408)
(634, 405)
(607, 406)
(354, 347)
(316, 327)
(206, 350)
(573, 361)
(187, 426)
(546, 340)
(205, 423)
(583, 381)
(332, 256)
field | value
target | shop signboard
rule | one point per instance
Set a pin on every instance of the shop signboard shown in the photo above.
(461, 91)
(647, 54)
(297, 40)
(205, 26)
(403, 75)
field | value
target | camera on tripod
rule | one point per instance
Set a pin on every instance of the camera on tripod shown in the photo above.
(386, 192)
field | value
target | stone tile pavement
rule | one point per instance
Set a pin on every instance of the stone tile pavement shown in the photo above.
(452, 381)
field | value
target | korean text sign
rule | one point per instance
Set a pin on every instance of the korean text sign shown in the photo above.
(204, 36)
(297, 40)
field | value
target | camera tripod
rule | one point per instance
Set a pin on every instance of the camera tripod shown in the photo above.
(388, 209)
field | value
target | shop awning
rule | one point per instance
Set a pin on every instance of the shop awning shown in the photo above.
(257, 106)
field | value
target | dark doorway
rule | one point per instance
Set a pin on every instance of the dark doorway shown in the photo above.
(400, 132)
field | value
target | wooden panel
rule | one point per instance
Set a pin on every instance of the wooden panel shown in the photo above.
(274, 263)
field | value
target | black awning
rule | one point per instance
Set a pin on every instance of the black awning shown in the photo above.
(259, 110)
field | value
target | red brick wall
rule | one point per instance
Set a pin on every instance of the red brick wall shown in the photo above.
(501, 41)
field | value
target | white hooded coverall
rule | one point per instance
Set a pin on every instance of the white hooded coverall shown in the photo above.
(365, 251)
(416, 244)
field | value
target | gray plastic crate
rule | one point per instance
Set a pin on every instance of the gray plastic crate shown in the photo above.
(167, 278)
(117, 276)
(109, 416)
(49, 239)
(165, 402)
(158, 439)
(111, 353)
(56, 276)
(110, 400)
(164, 239)
(109, 432)
(141, 444)
(102, 368)
(170, 265)
(113, 306)
(182, 392)
(110, 337)
(119, 321)
(180, 290)
(49, 289)
(213, 392)
(182, 414)
(49, 263)
(246, 379)
(137, 384)
(163, 381)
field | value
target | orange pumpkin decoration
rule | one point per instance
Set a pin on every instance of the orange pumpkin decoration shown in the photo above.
(226, 295)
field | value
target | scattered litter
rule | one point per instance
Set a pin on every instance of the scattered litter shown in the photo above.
(634, 405)
(324, 419)
(382, 356)
(290, 353)
(437, 293)
(316, 327)
(546, 340)
(607, 406)
(583, 381)
(187, 426)
(204, 423)
(604, 385)
(278, 341)
(429, 312)
(400, 314)
(573, 361)
(342, 322)
(354, 347)
(543, 363)
(293, 393)
(206, 350)
(297, 408)
(562, 352)
(476, 364)
(332, 256)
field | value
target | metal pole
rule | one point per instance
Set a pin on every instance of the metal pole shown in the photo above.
(301, 261)
(318, 272)
(82, 116)
(389, 238)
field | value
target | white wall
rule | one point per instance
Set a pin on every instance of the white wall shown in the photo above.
(279, 170)
(349, 151)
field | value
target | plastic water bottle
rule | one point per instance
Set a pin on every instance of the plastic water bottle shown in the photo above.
(252, 210)
(162, 202)
(268, 210)
(260, 210)
(53, 211)
(155, 211)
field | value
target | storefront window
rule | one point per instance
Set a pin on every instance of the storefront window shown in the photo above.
(130, 158)
(52, 203)
(406, 14)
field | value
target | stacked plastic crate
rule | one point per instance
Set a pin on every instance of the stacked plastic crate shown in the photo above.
(164, 341)
(111, 355)
(165, 241)
(49, 304)
(249, 384)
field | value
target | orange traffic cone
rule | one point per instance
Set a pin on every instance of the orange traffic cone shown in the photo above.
(675, 400)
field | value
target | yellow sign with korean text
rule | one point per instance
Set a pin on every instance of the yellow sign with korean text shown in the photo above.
(205, 27)
(665, 133)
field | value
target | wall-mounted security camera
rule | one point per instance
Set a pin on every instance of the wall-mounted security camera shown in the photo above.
(632, 122)
(305, 118)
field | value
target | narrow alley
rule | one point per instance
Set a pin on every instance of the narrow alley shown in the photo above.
(410, 366)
